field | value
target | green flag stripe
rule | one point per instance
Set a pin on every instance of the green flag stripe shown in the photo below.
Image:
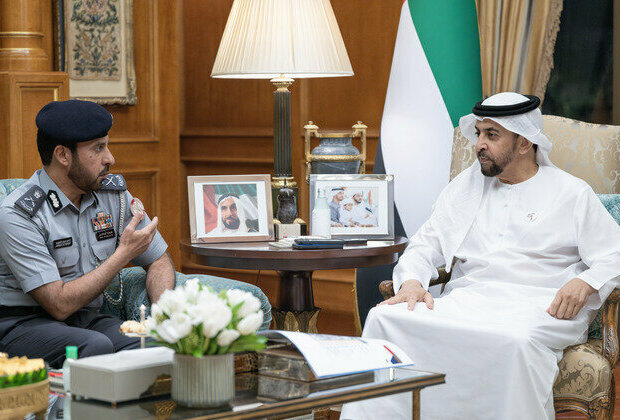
(448, 32)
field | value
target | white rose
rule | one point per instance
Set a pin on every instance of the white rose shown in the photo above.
(206, 298)
(191, 290)
(250, 323)
(250, 305)
(172, 301)
(177, 327)
(226, 337)
(215, 317)
(156, 312)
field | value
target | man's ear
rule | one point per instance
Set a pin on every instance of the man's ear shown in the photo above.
(525, 145)
(63, 155)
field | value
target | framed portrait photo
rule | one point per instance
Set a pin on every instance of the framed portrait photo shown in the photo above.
(230, 208)
(361, 206)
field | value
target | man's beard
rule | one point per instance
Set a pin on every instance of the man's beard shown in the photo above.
(82, 179)
(497, 165)
(232, 223)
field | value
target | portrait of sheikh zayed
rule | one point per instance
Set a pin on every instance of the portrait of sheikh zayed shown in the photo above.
(229, 213)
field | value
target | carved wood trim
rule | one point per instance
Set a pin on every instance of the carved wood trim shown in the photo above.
(611, 346)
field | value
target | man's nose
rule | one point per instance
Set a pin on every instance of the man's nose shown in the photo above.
(109, 159)
(480, 145)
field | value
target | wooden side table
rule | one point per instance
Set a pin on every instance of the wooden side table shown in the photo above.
(295, 310)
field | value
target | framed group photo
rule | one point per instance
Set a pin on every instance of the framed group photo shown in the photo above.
(361, 206)
(230, 208)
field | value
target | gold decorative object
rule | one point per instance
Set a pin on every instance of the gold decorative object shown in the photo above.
(312, 131)
(16, 402)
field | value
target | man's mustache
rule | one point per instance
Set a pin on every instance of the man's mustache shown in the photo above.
(105, 171)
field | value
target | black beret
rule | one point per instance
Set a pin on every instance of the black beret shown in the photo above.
(74, 121)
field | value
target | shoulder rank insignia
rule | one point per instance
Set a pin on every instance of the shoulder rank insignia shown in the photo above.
(114, 182)
(32, 200)
(54, 200)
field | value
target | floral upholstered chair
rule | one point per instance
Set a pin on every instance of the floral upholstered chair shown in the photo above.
(585, 381)
(126, 304)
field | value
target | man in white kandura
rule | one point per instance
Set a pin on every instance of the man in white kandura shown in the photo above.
(535, 254)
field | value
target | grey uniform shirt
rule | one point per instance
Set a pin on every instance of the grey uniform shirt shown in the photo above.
(46, 239)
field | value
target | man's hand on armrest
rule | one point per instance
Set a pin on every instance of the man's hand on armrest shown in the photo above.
(411, 292)
(570, 299)
(62, 299)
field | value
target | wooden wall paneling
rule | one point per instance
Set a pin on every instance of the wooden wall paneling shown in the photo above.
(227, 125)
(145, 138)
(24, 94)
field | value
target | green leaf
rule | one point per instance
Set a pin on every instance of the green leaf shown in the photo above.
(212, 346)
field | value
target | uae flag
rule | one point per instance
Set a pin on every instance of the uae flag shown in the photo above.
(435, 79)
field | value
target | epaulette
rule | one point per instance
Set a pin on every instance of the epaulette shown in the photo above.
(114, 182)
(32, 200)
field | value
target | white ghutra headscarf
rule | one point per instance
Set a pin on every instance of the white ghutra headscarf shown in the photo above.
(516, 113)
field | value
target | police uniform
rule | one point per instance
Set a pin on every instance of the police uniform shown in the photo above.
(45, 238)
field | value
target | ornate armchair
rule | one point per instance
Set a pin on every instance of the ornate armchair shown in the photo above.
(585, 382)
(133, 280)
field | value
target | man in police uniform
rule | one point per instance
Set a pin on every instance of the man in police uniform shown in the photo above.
(61, 243)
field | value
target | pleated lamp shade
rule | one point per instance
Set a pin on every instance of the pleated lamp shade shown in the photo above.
(264, 39)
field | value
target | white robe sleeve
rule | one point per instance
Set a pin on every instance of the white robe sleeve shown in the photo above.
(421, 257)
(598, 241)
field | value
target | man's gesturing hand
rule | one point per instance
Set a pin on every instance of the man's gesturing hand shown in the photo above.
(411, 292)
(570, 299)
(134, 242)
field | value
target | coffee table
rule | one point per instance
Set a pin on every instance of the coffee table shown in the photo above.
(295, 309)
(250, 404)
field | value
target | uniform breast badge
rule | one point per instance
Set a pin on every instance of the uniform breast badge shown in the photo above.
(103, 226)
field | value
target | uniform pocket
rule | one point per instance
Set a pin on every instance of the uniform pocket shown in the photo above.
(102, 251)
(66, 260)
(66, 257)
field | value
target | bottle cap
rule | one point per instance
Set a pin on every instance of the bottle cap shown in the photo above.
(71, 352)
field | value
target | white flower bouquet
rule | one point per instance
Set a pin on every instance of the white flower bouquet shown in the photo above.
(194, 320)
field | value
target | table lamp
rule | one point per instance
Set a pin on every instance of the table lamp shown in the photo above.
(281, 40)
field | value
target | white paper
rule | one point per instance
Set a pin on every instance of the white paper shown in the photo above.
(335, 355)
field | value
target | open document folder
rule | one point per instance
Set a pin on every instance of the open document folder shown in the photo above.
(335, 355)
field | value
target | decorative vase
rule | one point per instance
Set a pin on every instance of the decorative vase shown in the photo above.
(336, 146)
(203, 382)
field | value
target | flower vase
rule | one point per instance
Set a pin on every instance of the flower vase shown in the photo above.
(203, 382)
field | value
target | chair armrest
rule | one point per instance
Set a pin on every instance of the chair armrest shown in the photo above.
(386, 287)
(443, 278)
(611, 346)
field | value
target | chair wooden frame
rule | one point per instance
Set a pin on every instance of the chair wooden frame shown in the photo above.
(599, 408)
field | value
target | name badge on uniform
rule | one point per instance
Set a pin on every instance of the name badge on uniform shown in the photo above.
(63, 243)
(103, 226)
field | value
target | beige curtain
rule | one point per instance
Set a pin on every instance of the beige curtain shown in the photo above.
(517, 38)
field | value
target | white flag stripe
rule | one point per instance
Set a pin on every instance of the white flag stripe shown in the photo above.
(416, 130)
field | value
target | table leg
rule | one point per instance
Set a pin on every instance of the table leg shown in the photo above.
(415, 415)
(296, 310)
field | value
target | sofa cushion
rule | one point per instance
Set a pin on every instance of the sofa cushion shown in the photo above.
(584, 372)
(7, 186)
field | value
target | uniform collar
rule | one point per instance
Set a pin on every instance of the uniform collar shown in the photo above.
(57, 200)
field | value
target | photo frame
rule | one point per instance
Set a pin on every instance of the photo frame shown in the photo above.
(230, 208)
(86, 31)
(346, 193)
